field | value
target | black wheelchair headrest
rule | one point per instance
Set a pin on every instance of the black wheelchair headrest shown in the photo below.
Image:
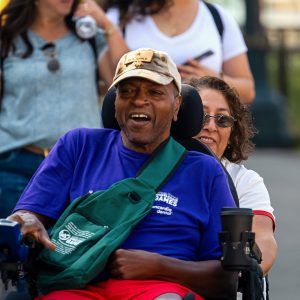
(190, 115)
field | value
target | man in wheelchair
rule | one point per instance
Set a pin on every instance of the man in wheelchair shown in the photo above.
(174, 250)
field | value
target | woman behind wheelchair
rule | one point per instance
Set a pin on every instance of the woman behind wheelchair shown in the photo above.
(227, 130)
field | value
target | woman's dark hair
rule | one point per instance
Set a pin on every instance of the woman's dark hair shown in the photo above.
(240, 144)
(16, 18)
(132, 8)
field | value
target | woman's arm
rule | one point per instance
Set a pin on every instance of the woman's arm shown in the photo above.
(116, 44)
(264, 237)
(236, 72)
(207, 278)
(253, 194)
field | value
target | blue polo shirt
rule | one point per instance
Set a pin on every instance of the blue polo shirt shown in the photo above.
(185, 218)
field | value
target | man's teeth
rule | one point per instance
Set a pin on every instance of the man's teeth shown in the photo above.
(140, 116)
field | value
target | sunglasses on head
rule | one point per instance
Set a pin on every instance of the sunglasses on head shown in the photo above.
(53, 64)
(220, 120)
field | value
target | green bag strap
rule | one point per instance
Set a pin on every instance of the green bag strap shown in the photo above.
(162, 164)
(157, 170)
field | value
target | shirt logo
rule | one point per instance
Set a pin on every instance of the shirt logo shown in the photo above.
(163, 201)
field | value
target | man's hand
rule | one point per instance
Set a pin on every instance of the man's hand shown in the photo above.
(134, 264)
(207, 278)
(32, 227)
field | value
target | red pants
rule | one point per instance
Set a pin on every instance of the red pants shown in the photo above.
(121, 290)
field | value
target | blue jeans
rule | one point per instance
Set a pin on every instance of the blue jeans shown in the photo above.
(16, 168)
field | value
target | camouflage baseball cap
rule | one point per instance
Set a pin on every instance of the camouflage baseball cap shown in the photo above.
(147, 63)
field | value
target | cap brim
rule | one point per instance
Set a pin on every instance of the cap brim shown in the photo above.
(142, 73)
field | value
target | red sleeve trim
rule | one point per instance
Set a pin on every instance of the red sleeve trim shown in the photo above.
(267, 214)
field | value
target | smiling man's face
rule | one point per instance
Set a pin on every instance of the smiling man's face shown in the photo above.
(144, 111)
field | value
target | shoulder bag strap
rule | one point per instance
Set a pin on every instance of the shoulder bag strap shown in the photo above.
(93, 44)
(1, 81)
(217, 18)
(1, 76)
(162, 164)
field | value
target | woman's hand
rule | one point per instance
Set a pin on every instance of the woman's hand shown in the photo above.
(93, 9)
(236, 73)
(194, 69)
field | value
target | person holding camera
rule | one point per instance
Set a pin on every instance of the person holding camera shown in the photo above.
(48, 83)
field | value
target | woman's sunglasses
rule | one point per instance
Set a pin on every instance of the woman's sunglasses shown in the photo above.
(53, 64)
(220, 120)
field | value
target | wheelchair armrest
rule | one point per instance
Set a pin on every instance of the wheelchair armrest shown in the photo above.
(17, 255)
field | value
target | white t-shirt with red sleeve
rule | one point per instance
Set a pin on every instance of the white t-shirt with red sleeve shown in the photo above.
(250, 188)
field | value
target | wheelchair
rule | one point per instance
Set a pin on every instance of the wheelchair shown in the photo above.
(17, 257)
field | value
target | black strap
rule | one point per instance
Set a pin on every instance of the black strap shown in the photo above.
(1, 81)
(267, 287)
(217, 18)
(92, 42)
(232, 187)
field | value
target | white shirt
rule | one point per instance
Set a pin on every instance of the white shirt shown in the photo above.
(251, 190)
(201, 36)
